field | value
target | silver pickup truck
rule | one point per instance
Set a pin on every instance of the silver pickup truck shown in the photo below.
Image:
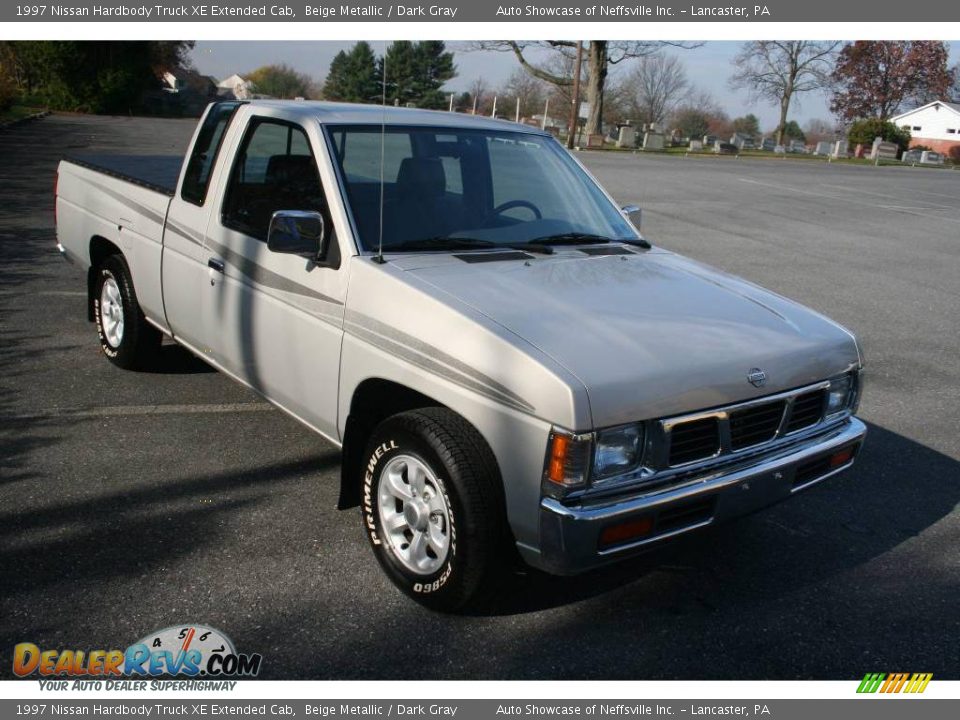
(508, 366)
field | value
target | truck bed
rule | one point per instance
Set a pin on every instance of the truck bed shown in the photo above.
(155, 172)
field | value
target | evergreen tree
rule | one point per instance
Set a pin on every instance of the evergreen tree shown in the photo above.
(353, 76)
(416, 73)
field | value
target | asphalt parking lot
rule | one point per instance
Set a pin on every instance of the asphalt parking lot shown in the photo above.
(131, 502)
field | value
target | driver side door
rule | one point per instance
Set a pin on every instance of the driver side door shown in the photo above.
(276, 320)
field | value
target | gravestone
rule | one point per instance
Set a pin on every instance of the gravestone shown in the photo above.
(627, 137)
(780, 150)
(840, 148)
(696, 145)
(930, 157)
(884, 150)
(824, 147)
(652, 140)
(769, 144)
(595, 141)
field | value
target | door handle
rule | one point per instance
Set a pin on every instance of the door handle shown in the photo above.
(215, 264)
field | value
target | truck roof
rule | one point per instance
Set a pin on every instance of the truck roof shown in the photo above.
(355, 114)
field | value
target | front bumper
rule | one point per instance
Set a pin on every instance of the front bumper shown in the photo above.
(571, 536)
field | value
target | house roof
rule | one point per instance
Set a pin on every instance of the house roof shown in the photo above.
(231, 82)
(953, 107)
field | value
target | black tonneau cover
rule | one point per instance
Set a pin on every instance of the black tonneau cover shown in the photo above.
(156, 172)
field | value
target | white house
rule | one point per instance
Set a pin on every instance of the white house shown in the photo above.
(236, 86)
(171, 82)
(936, 125)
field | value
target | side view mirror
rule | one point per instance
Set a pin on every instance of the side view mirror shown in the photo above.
(298, 232)
(634, 214)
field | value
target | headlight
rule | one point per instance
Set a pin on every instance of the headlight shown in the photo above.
(618, 450)
(840, 396)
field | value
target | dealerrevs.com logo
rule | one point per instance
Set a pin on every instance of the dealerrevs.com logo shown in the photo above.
(894, 683)
(191, 651)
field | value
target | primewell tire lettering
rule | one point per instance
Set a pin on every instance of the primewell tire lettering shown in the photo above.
(436, 584)
(369, 520)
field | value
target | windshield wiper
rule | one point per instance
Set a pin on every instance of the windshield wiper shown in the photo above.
(639, 242)
(575, 238)
(571, 238)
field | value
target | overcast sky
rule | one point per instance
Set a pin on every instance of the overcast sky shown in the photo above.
(708, 67)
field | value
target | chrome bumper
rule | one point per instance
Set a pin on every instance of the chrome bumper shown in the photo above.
(570, 536)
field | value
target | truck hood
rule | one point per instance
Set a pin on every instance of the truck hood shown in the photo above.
(649, 334)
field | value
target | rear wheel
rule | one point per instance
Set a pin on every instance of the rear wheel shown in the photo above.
(126, 338)
(432, 507)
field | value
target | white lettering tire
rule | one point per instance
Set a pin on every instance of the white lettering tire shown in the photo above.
(432, 507)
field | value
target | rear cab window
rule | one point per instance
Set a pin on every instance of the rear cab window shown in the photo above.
(196, 180)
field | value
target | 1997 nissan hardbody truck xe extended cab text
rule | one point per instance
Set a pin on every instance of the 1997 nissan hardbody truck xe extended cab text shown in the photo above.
(518, 367)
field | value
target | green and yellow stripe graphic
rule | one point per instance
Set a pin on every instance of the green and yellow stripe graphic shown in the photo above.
(894, 682)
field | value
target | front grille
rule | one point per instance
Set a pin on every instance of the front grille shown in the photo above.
(694, 440)
(745, 427)
(807, 410)
(755, 425)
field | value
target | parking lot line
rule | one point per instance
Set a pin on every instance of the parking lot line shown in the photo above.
(137, 410)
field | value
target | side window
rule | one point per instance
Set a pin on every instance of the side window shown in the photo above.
(274, 170)
(205, 151)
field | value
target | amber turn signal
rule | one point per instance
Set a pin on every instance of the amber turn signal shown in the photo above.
(841, 457)
(624, 532)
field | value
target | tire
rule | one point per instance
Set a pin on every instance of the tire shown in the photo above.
(430, 482)
(126, 338)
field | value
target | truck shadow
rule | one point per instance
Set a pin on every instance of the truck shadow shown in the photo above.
(898, 489)
(86, 538)
(839, 578)
(175, 359)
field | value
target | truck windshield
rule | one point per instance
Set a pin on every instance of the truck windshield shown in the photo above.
(456, 189)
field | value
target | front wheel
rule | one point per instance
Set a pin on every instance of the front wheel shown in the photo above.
(432, 507)
(126, 338)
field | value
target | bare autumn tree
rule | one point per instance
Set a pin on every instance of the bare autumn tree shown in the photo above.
(478, 94)
(527, 89)
(599, 57)
(874, 78)
(779, 70)
(656, 85)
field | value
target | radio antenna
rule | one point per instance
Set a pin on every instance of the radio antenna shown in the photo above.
(383, 133)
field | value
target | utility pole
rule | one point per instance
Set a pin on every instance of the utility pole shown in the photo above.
(575, 107)
(546, 109)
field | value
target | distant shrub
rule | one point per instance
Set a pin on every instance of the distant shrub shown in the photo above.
(864, 132)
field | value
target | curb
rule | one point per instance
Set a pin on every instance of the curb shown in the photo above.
(20, 121)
